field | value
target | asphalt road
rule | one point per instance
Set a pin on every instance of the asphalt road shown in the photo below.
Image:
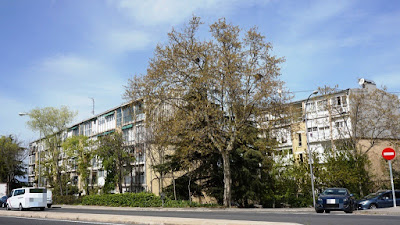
(296, 217)
(35, 221)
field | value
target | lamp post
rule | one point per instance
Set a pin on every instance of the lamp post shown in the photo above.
(40, 137)
(308, 147)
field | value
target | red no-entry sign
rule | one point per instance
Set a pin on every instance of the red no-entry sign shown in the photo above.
(388, 153)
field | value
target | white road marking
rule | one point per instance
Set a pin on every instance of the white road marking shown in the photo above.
(70, 221)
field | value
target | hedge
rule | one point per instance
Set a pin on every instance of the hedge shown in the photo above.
(68, 200)
(135, 200)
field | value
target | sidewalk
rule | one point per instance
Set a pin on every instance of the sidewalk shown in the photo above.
(110, 218)
(382, 211)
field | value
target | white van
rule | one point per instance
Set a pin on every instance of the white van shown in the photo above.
(27, 198)
(49, 198)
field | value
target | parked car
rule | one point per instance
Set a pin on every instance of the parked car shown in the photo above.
(3, 201)
(27, 198)
(335, 199)
(380, 199)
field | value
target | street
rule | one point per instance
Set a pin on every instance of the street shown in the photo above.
(36, 221)
(278, 215)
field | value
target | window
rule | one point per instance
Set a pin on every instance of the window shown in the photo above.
(87, 128)
(340, 124)
(386, 196)
(344, 101)
(75, 180)
(37, 190)
(312, 129)
(102, 120)
(310, 106)
(94, 178)
(119, 117)
(301, 157)
(299, 136)
(19, 192)
(127, 111)
(75, 131)
(322, 105)
(109, 118)
(338, 101)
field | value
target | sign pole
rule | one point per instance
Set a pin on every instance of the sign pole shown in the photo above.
(391, 181)
(389, 154)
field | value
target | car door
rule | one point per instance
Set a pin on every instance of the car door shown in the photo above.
(385, 200)
(12, 201)
(397, 193)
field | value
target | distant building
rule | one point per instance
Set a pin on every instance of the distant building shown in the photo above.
(336, 117)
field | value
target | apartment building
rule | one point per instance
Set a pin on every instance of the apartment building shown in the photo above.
(364, 114)
(329, 120)
(128, 119)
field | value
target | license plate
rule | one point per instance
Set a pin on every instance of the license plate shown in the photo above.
(331, 201)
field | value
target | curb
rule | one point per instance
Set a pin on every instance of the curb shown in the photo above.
(109, 218)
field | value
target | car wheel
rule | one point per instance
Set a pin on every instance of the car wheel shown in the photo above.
(49, 206)
(349, 211)
(20, 207)
(319, 210)
(373, 206)
(8, 207)
(327, 211)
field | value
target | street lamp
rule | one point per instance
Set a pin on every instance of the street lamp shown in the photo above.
(40, 137)
(308, 147)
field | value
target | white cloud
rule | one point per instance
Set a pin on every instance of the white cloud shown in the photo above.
(172, 12)
(71, 80)
(124, 40)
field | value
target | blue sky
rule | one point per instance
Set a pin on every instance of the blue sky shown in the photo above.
(57, 53)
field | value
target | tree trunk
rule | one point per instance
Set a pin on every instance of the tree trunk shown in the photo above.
(173, 182)
(227, 178)
(190, 194)
(120, 179)
(131, 187)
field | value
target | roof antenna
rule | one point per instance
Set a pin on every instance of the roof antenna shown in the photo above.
(93, 105)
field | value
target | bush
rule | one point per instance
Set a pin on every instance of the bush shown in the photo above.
(68, 199)
(135, 200)
(126, 199)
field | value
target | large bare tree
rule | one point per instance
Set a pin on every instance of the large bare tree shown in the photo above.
(216, 87)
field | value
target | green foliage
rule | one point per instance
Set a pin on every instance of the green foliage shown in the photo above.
(114, 156)
(212, 88)
(50, 122)
(348, 169)
(81, 149)
(67, 199)
(136, 200)
(11, 160)
(345, 168)
(291, 186)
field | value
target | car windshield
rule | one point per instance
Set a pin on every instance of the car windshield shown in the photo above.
(335, 192)
(373, 195)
